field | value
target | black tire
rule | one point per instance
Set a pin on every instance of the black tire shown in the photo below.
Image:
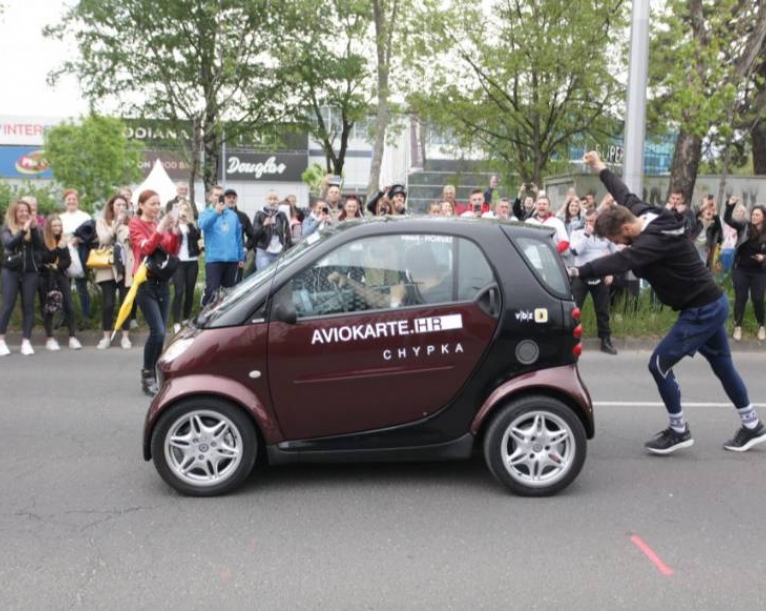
(232, 450)
(543, 464)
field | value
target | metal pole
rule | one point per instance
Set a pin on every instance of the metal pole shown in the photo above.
(635, 120)
(223, 157)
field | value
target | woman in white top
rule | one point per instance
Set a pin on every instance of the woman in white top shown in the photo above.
(112, 230)
(185, 277)
(71, 219)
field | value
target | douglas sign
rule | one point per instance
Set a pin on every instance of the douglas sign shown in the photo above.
(284, 167)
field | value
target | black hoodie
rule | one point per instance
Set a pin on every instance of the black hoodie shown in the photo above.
(662, 254)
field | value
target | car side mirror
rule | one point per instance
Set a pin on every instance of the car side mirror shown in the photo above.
(285, 312)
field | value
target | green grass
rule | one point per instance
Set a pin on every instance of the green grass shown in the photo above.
(651, 321)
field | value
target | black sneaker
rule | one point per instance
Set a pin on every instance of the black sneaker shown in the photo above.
(668, 441)
(606, 346)
(746, 438)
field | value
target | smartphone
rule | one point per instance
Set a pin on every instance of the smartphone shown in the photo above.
(477, 209)
(335, 180)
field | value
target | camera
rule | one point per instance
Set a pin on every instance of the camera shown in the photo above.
(325, 210)
(477, 208)
(221, 199)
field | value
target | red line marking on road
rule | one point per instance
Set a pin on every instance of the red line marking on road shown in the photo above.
(654, 558)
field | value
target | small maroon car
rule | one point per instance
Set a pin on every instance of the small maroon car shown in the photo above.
(390, 339)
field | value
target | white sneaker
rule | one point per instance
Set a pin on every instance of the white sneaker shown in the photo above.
(4, 348)
(761, 333)
(52, 345)
(103, 343)
(125, 343)
(737, 335)
(74, 343)
(176, 328)
(26, 348)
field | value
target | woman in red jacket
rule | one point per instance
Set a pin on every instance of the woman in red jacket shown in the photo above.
(147, 233)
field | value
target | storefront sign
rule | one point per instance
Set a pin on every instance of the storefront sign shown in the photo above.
(23, 162)
(265, 167)
(176, 167)
(25, 131)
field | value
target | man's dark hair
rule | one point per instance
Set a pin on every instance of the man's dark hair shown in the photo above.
(475, 191)
(610, 221)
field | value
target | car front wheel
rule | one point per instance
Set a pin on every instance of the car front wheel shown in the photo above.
(536, 446)
(204, 447)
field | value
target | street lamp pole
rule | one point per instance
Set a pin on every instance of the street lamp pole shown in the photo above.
(635, 121)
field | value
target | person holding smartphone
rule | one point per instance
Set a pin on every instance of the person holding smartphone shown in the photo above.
(271, 232)
(319, 218)
(476, 205)
(749, 269)
(224, 247)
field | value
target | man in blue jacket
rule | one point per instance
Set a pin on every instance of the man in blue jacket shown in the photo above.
(660, 251)
(224, 248)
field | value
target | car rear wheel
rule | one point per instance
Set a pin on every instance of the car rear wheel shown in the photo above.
(204, 447)
(536, 446)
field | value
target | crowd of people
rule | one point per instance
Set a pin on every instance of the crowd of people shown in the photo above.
(44, 256)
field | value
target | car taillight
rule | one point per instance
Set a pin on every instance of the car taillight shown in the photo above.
(576, 313)
(577, 350)
(577, 331)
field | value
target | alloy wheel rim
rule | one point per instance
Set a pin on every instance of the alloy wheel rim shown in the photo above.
(538, 448)
(203, 448)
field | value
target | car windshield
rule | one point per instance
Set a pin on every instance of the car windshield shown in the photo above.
(233, 297)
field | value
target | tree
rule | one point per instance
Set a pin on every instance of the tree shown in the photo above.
(703, 54)
(757, 109)
(386, 17)
(332, 79)
(93, 156)
(524, 80)
(193, 63)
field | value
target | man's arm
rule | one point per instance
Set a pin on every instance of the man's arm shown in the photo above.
(614, 184)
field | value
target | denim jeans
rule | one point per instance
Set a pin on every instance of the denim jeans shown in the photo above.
(154, 300)
(13, 283)
(219, 274)
(263, 258)
(702, 330)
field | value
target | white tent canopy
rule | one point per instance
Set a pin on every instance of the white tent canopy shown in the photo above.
(159, 181)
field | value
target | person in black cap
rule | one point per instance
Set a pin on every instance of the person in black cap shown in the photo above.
(398, 196)
(230, 197)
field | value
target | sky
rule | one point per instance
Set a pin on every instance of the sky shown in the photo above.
(26, 57)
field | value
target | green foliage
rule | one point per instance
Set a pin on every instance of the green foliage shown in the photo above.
(192, 63)
(46, 195)
(701, 61)
(524, 79)
(331, 70)
(314, 176)
(92, 156)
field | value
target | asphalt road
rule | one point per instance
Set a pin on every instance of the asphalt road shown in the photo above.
(85, 523)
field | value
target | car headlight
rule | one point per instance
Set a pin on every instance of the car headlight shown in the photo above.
(176, 349)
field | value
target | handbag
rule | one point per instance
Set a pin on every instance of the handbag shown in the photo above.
(161, 265)
(119, 258)
(75, 269)
(13, 261)
(100, 258)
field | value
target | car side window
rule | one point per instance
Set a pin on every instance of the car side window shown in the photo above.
(392, 271)
(546, 262)
(474, 272)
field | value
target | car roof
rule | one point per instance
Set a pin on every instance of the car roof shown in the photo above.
(469, 227)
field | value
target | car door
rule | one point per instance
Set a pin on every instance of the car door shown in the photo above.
(380, 332)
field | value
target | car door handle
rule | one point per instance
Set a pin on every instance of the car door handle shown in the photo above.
(488, 299)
